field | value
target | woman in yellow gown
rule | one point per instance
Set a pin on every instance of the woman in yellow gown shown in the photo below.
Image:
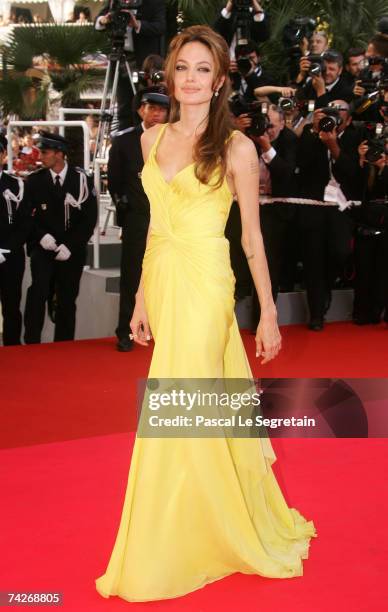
(199, 509)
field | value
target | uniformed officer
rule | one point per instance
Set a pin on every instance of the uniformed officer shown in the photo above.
(133, 210)
(14, 227)
(64, 212)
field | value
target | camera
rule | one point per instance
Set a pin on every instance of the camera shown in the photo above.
(244, 65)
(120, 19)
(331, 120)
(242, 9)
(287, 104)
(156, 77)
(297, 101)
(257, 111)
(317, 64)
(295, 31)
(377, 143)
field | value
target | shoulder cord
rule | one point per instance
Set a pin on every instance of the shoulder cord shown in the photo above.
(10, 197)
(71, 201)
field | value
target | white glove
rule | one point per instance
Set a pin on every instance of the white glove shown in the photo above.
(2, 258)
(48, 243)
(63, 253)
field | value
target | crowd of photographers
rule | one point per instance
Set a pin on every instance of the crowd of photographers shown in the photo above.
(320, 134)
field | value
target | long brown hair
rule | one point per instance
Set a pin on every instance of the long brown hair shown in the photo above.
(210, 150)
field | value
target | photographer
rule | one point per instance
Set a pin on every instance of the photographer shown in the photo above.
(133, 214)
(320, 79)
(151, 74)
(277, 149)
(373, 78)
(146, 26)
(354, 65)
(246, 72)
(371, 240)
(328, 171)
(319, 42)
(242, 19)
(15, 225)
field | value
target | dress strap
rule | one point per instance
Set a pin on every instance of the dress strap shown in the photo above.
(157, 139)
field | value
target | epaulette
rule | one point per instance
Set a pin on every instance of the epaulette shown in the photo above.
(36, 172)
(122, 132)
(81, 170)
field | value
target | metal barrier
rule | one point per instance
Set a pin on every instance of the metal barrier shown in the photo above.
(63, 111)
(81, 124)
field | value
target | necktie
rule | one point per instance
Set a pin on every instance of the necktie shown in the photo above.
(57, 184)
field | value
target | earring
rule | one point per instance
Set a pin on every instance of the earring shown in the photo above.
(216, 93)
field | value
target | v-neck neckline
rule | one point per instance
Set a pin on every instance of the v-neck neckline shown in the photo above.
(157, 141)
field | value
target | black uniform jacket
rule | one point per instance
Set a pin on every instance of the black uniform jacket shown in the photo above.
(72, 224)
(15, 221)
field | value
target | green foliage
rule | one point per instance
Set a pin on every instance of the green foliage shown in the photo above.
(66, 45)
(350, 22)
(13, 99)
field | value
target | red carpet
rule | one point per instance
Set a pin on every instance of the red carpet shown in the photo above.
(61, 500)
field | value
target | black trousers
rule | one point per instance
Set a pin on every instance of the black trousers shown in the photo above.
(371, 279)
(11, 278)
(66, 276)
(326, 235)
(134, 235)
(238, 258)
(275, 222)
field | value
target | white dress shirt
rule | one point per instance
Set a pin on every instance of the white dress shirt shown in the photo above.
(61, 174)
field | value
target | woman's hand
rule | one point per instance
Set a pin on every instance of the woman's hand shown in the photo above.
(268, 339)
(139, 325)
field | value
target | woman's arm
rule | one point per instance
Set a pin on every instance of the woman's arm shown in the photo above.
(244, 164)
(267, 90)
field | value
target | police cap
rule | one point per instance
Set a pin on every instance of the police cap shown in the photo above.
(48, 140)
(153, 97)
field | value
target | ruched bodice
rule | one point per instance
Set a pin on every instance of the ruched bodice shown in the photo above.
(184, 209)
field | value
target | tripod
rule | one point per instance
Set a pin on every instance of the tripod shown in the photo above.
(117, 58)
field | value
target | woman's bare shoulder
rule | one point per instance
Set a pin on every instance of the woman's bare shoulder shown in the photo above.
(241, 150)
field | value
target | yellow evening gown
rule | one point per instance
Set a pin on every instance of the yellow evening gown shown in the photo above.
(197, 509)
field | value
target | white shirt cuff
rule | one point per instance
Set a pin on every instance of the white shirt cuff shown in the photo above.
(225, 13)
(98, 25)
(268, 155)
(259, 16)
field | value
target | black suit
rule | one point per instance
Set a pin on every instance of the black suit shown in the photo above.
(342, 90)
(277, 220)
(260, 31)
(71, 225)
(14, 228)
(371, 248)
(149, 40)
(326, 232)
(258, 78)
(124, 178)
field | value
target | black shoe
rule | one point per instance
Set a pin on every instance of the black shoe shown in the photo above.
(366, 320)
(316, 324)
(124, 345)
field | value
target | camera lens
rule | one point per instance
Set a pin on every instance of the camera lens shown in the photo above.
(327, 124)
